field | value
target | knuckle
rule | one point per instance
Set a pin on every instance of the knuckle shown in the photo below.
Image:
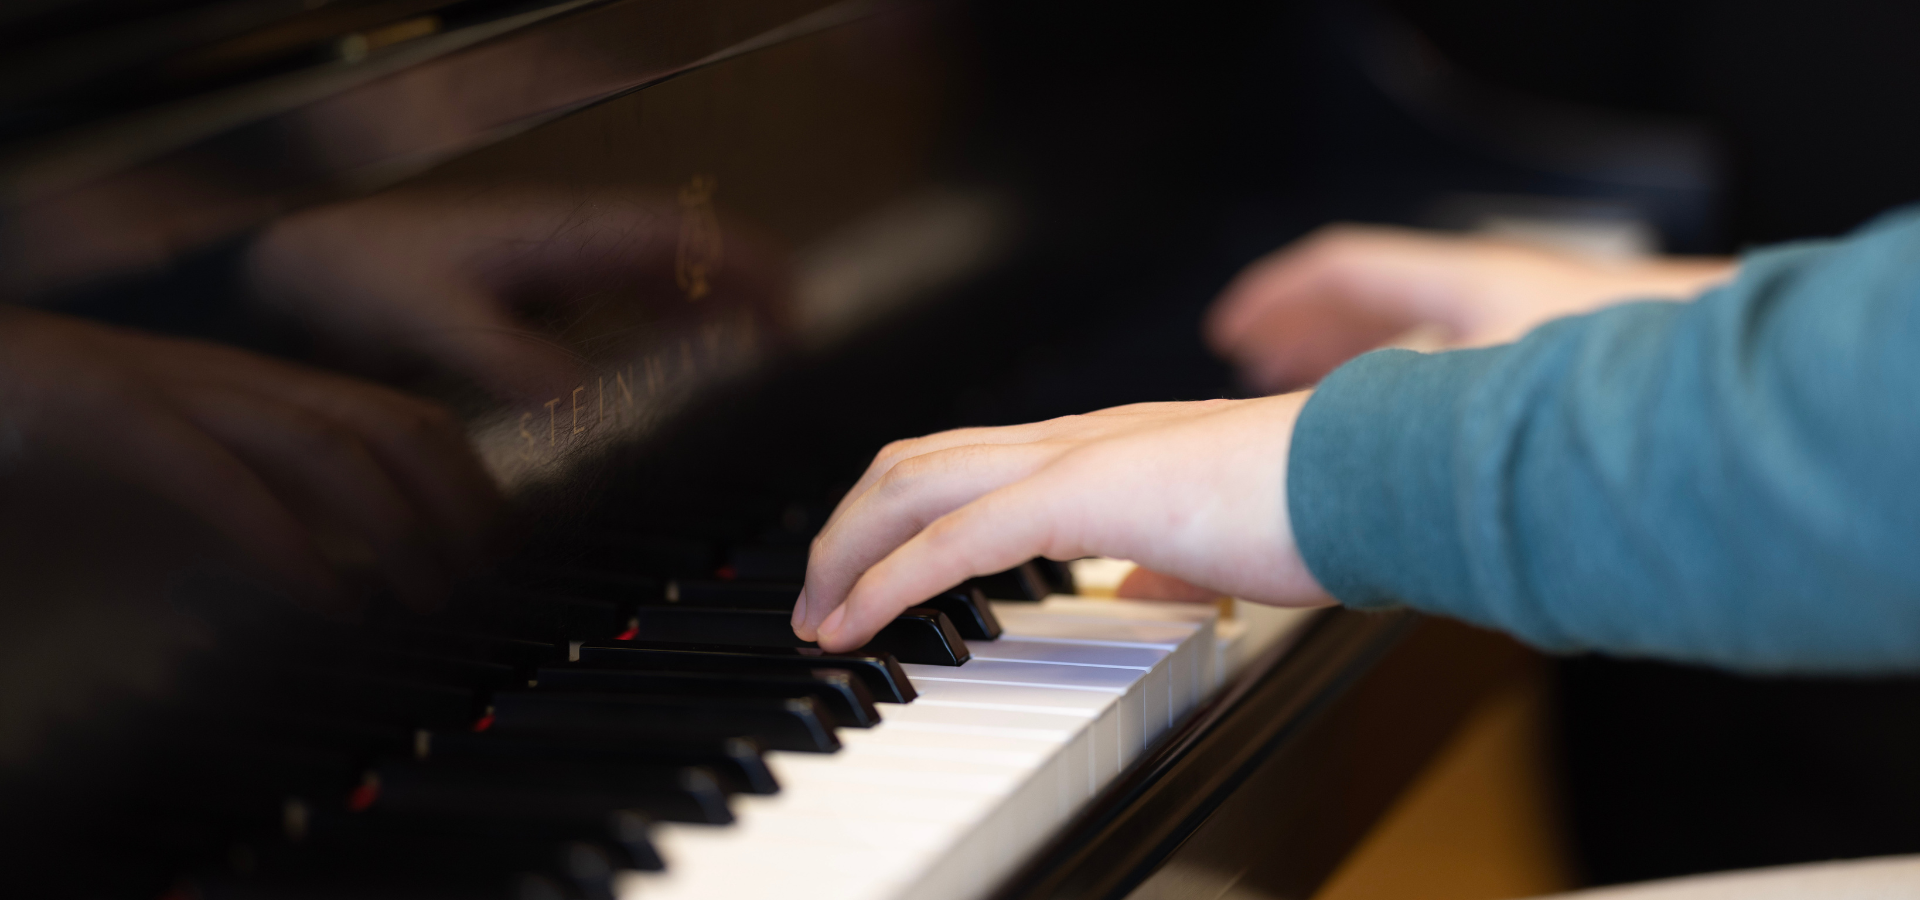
(895, 451)
(905, 475)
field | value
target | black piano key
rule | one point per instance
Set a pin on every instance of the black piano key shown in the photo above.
(917, 635)
(650, 554)
(540, 789)
(768, 563)
(600, 584)
(1057, 575)
(231, 771)
(624, 832)
(736, 761)
(542, 616)
(844, 697)
(1026, 582)
(371, 698)
(696, 625)
(377, 864)
(520, 653)
(922, 635)
(966, 605)
(969, 611)
(427, 667)
(480, 676)
(781, 724)
(731, 594)
(881, 671)
(621, 833)
(628, 831)
(360, 739)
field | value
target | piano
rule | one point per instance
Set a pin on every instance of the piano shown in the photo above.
(755, 240)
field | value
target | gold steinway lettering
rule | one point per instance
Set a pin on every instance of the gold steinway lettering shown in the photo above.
(532, 441)
(624, 381)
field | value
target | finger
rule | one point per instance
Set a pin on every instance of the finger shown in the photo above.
(1101, 423)
(472, 332)
(913, 494)
(160, 450)
(1145, 584)
(426, 453)
(1275, 280)
(510, 361)
(322, 465)
(419, 444)
(991, 534)
(1293, 347)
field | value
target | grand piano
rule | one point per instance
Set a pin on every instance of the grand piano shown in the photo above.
(742, 243)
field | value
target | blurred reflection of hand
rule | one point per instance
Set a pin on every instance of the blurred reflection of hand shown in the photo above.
(299, 468)
(1295, 315)
(462, 280)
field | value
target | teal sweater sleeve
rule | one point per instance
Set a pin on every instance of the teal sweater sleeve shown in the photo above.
(1732, 481)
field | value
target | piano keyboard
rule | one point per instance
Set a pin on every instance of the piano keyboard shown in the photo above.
(949, 793)
(650, 738)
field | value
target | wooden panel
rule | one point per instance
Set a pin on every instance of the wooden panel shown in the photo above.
(1318, 788)
(1483, 822)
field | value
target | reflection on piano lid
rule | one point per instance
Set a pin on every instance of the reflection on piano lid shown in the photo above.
(749, 242)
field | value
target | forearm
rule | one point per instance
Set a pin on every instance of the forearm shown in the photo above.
(1724, 481)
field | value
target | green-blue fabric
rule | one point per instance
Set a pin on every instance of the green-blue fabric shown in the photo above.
(1732, 481)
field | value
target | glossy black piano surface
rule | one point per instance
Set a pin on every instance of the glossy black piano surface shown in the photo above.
(756, 239)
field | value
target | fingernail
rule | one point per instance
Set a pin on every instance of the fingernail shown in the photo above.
(800, 626)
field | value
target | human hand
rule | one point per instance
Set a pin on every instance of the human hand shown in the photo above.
(307, 472)
(1193, 490)
(487, 285)
(1298, 313)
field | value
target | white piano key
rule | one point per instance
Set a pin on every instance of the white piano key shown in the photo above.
(1029, 673)
(1073, 734)
(1142, 717)
(907, 771)
(846, 811)
(947, 794)
(750, 860)
(1014, 697)
(1157, 686)
(830, 798)
(1201, 615)
(1027, 621)
(958, 747)
(1254, 629)
(977, 862)
(1110, 742)
(1024, 649)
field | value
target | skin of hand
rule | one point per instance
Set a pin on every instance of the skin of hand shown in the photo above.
(1295, 315)
(288, 463)
(1193, 490)
(460, 280)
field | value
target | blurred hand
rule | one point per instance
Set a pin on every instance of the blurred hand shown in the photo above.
(304, 470)
(1298, 313)
(1193, 490)
(462, 281)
